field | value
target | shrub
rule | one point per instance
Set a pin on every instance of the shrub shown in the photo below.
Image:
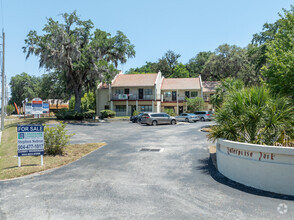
(107, 114)
(195, 104)
(170, 112)
(65, 114)
(9, 109)
(55, 138)
(253, 115)
(136, 113)
(60, 115)
(89, 114)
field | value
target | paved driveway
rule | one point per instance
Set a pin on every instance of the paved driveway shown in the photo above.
(119, 181)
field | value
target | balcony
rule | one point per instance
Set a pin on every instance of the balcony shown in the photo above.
(169, 99)
(131, 97)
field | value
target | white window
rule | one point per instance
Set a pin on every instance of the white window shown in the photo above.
(146, 108)
(167, 94)
(194, 94)
(119, 91)
(147, 91)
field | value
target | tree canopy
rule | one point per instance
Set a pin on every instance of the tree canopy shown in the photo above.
(279, 71)
(82, 56)
(24, 86)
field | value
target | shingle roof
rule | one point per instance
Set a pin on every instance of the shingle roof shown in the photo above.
(180, 83)
(129, 80)
(209, 86)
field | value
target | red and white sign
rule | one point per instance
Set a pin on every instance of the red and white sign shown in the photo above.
(37, 106)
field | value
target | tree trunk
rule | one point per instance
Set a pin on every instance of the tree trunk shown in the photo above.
(78, 97)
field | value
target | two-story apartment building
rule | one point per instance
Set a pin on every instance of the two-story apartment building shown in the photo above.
(130, 92)
(175, 90)
(149, 93)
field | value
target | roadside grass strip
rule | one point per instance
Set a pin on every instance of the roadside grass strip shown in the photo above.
(31, 164)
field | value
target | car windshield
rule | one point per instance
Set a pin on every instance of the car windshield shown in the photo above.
(191, 114)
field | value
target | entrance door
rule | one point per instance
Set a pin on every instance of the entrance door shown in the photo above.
(181, 110)
(174, 95)
(140, 93)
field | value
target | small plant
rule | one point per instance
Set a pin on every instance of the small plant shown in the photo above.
(194, 104)
(136, 113)
(170, 112)
(56, 138)
(9, 109)
(89, 114)
(107, 114)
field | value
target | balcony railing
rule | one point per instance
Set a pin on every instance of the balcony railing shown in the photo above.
(170, 99)
(131, 97)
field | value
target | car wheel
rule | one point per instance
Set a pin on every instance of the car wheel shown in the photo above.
(154, 123)
(202, 119)
(186, 120)
(173, 122)
(133, 121)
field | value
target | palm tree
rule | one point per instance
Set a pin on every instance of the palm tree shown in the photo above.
(252, 115)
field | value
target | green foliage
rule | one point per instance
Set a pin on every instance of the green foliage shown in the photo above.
(24, 86)
(56, 138)
(195, 104)
(83, 57)
(88, 101)
(197, 63)
(229, 61)
(253, 115)
(107, 114)
(72, 102)
(9, 109)
(89, 114)
(136, 113)
(53, 86)
(227, 85)
(170, 112)
(180, 71)
(166, 65)
(279, 71)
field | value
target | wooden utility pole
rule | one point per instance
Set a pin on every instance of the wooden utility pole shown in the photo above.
(3, 82)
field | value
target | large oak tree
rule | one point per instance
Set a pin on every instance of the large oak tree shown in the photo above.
(84, 57)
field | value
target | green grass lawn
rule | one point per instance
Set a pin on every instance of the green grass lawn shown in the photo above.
(31, 164)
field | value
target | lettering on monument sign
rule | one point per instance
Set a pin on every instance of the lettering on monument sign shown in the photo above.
(30, 140)
(245, 153)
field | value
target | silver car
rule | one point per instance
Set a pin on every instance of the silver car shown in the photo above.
(157, 118)
(188, 117)
(205, 115)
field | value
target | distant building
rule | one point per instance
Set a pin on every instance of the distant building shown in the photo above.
(57, 104)
(151, 93)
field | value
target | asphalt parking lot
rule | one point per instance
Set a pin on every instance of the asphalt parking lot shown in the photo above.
(119, 181)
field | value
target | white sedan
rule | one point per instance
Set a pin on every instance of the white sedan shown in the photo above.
(187, 117)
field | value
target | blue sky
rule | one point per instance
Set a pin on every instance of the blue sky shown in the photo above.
(154, 26)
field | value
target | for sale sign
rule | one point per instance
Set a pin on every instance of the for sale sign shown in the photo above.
(30, 140)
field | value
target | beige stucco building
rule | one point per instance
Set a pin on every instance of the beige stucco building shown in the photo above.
(148, 93)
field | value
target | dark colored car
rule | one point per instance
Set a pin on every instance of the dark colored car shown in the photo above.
(136, 118)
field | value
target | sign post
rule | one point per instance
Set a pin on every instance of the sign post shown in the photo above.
(30, 141)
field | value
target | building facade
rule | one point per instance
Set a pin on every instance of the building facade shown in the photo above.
(148, 93)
